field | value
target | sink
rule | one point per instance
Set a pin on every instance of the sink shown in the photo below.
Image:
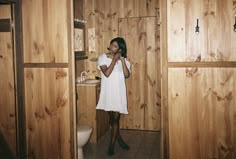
(91, 81)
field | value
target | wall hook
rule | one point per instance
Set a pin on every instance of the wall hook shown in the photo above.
(197, 28)
(235, 23)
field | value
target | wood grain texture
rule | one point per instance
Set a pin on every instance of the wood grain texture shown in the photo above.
(7, 85)
(103, 17)
(47, 112)
(216, 37)
(87, 113)
(46, 23)
(202, 113)
(78, 9)
(86, 109)
(164, 81)
(143, 86)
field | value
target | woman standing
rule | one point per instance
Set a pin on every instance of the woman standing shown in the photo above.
(115, 68)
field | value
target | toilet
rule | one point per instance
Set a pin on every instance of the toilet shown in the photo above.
(83, 134)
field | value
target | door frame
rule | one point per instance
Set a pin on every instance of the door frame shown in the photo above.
(18, 73)
(164, 80)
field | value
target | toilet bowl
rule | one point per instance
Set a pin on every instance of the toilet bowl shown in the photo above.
(83, 134)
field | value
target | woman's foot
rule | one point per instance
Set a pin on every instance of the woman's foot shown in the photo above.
(123, 144)
(110, 151)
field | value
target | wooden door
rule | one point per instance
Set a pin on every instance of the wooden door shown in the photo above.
(49, 91)
(7, 82)
(198, 79)
(202, 113)
(143, 86)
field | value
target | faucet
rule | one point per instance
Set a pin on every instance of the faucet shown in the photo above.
(82, 76)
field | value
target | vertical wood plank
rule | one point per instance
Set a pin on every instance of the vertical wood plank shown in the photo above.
(148, 7)
(203, 120)
(196, 44)
(142, 86)
(233, 35)
(210, 44)
(49, 26)
(86, 107)
(49, 93)
(164, 79)
(78, 9)
(47, 112)
(152, 120)
(176, 30)
(135, 119)
(90, 17)
(7, 85)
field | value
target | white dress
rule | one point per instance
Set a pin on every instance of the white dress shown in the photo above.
(113, 89)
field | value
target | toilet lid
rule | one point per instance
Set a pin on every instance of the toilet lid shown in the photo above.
(82, 128)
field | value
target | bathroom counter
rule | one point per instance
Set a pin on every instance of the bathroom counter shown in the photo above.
(87, 98)
(89, 82)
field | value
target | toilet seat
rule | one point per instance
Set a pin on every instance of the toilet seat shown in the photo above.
(83, 134)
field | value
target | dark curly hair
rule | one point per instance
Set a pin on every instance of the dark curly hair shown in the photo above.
(122, 45)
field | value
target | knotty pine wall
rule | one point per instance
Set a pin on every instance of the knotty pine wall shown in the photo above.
(7, 84)
(199, 89)
(103, 20)
(49, 91)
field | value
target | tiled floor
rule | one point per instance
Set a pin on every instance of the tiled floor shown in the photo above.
(143, 145)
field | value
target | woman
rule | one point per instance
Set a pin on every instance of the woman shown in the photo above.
(115, 68)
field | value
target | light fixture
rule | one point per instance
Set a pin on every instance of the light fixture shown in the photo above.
(197, 28)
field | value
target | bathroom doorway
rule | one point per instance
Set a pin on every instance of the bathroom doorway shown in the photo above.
(141, 127)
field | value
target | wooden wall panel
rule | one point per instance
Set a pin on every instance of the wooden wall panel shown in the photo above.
(86, 108)
(202, 113)
(49, 90)
(89, 16)
(135, 91)
(164, 81)
(216, 37)
(78, 9)
(103, 15)
(79, 68)
(47, 112)
(198, 118)
(45, 31)
(143, 86)
(7, 84)
(148, 7)
(153, 114)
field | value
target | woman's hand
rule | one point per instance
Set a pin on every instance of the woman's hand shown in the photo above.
(125, 68)
(117, 56)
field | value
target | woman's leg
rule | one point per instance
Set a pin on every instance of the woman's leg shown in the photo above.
(110, 119)
(120, 140)
(114, 120)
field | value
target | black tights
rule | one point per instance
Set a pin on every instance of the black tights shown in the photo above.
(115, 132)
(115, 126)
